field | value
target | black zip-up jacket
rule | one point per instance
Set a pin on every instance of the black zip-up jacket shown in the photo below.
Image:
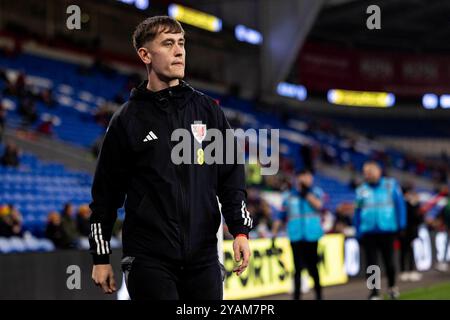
(171, 211)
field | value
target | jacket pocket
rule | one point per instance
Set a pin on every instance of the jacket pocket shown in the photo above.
(126, 266)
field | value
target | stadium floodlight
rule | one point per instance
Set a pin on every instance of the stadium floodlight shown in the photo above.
(291, 90)
(245, 34)
(430, 101)
(195, 18)
(140, 4)
(361, 98)
(390, 100)
(445, 101)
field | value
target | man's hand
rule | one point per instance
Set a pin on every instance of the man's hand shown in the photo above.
(304, 191)
(103, 276)
(241, 250)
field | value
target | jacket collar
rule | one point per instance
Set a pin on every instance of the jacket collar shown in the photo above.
(179, 94)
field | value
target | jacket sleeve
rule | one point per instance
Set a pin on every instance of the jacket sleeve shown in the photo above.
(231, 187)
(400, 206)
(282, 214)
(108, 190)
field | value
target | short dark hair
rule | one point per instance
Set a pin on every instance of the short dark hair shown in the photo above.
(148, 29)
(303, 171)
(407, 187)
(373, 163)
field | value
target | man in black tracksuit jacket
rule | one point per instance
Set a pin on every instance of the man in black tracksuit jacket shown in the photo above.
(172, 214)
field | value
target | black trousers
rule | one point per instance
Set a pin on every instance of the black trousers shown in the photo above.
(157, 280)
(305, 256)
(384, 243)
(407, 262)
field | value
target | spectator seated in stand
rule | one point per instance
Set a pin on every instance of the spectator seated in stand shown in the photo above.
(10, 157)
(3, 113)
(62, 229)
(10, 222)
(54, 230)
(83, 224)
(46, 96)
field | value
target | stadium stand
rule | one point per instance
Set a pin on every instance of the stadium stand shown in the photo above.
(35, 187)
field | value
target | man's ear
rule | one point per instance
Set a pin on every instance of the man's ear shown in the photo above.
(145, 55)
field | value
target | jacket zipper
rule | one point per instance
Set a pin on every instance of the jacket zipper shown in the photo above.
(185, 214)
(184, 225)
(185, 220)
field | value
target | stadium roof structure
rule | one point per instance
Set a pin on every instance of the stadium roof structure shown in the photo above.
(411, 25)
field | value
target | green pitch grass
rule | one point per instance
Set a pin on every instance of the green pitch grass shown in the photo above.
(435, 292)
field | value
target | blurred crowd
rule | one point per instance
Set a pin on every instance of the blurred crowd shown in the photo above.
(10, 156)
(71, 225)
(28, 95)
(437, 168)
(340, 220)
(66, 229)
(10, 221)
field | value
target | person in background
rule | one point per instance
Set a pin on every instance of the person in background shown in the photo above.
(445, 218)
(54, 230)
(4, 227)
(10, 157)
(19, 87)
(4, 77)
(10, 222)
(343, 219)
(253, 174)
(439, 222)
(69, 227)
(407, 236)
(2, 119)
(169, 240)
(46, 96)
(263, 219)
(83, 224)
(47, 125)
(301, 209)
(380, 214)
(28, 111)
(16, 221)
(306, 153)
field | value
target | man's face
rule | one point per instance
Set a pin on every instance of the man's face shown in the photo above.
(372, 173)
(167, 55)
(306, 179)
